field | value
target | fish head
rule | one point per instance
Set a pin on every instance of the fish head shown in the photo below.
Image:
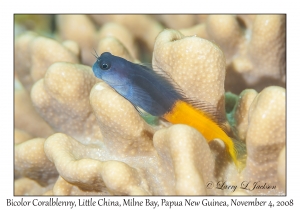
(112, 69)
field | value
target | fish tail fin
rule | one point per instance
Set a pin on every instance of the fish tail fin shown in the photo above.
(236, 147)
(232, 149)
(239, 153)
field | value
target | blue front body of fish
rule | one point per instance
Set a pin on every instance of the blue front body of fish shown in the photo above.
(139, 84)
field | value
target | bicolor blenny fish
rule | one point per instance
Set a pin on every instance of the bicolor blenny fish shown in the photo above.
(157, 94)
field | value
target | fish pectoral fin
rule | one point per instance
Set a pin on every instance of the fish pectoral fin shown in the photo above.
(140, 110)
(141, 95)
(142, 99)
(150, 119)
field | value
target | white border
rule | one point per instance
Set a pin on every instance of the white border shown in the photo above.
(8, 8)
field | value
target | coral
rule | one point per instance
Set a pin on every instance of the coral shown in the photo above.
(266, 50)
(189, 158)
(142, 26)
(62, 99)
(81, 30)
(178, 21)
(114, 46)
(96, 174)
(124, 133)
(63, 187)
(38, 23)
(254, 47)
(265, 136)
(196, 65)
(282, 168)
(89, 174)
(110, 37)
(26, 117)
(21, 136)
(241, 112)
(226, 32)
(128, 142)
(34, 54)
(26, 186)
(75, 135)
(31, 162)
(122, 34)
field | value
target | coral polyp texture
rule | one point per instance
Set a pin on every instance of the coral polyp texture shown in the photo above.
(75, 135)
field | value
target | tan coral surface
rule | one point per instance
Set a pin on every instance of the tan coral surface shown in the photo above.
(31, 162)
(196, 65)
(265, 137)
(62, 98)
(34, 54)
(254, 47)
(28, 120)
(74, 135)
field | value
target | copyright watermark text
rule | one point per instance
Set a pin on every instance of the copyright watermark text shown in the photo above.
(245, 185)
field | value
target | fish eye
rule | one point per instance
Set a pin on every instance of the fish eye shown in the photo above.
(104, 65)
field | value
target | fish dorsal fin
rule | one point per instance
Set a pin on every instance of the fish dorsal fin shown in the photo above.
(210, 111)
(164, 75)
